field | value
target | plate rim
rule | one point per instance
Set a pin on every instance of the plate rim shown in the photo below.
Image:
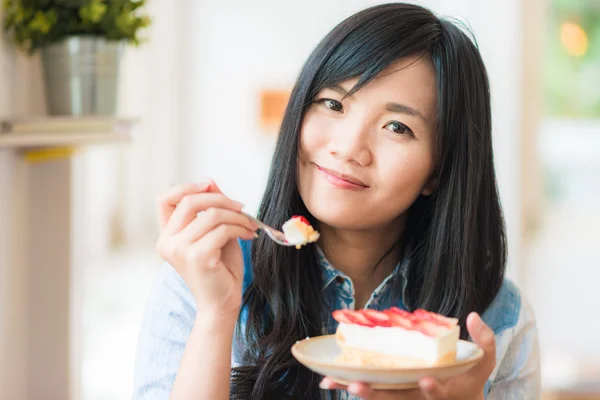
(471, 361)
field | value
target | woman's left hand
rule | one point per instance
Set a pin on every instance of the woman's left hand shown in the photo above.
(469, 385)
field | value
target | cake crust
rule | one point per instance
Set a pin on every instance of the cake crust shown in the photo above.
(365, 358)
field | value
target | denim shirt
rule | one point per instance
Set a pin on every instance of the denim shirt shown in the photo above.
(171, 311)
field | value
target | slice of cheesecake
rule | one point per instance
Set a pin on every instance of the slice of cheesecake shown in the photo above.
(395, 338)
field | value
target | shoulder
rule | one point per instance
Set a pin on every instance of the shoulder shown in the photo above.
(508, 310)
(512, 319)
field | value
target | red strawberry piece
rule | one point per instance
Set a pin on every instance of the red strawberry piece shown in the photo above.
(430, 328)
(377, 317)
(360, 319)
(437, 318)
(402, 312)
(449, 322)
(302, 219)
(424, 315)
(400, 319)
(342, 316)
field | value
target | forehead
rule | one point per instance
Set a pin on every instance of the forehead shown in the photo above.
(409, 81)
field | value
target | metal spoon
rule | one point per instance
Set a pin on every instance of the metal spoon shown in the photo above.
(276, 235)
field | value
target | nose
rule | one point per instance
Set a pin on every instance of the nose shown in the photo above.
(349, 142)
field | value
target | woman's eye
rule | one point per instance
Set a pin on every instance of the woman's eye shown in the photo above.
(398, 127)
(333, 105)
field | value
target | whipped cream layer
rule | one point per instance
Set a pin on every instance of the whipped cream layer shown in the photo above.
(399, 342)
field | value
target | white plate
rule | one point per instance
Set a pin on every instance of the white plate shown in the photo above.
(319, 354)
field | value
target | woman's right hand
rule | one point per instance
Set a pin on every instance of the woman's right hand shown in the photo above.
(199, 231)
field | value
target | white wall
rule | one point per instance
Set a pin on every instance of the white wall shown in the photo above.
(236, 48)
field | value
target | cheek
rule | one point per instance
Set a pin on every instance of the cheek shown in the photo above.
(313, 136)
(405, 175)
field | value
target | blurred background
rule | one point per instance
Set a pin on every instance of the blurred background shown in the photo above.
(205, 89)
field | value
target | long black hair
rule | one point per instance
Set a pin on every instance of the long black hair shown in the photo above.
(458, 254)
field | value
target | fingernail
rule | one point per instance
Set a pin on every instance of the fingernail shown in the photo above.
(324, 384)
(202, 185)
(486, 334)
(425, 385)
(240, 205)
(478, 323)
(475, 322)
(255, 235)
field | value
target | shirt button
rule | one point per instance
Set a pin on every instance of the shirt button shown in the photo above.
(339, 279)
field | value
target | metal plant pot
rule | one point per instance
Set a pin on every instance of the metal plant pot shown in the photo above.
(81, 76)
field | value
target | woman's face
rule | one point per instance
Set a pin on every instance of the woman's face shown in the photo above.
(364, 160)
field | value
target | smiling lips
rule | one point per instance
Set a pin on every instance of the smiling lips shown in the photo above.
(342, 181)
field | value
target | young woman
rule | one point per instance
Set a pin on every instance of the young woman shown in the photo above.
(386, 147)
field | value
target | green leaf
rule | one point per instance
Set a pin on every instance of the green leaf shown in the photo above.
(32, 24)
(41, 22)
(93, 12)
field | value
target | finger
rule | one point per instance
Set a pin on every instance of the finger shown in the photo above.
(483, 336)
(209, 220)
(328, 384)
(209, 247)
(433, 390)
(189, 207)
(361, 390)
(168, 201)
(213, 187)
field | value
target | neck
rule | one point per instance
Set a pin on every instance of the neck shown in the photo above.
(365, 256)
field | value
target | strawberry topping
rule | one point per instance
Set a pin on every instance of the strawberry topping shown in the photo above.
(377, 317)
(302, 219)
(426, 322)
(360, 319)
(400, 319)
(426, 315)
(342, 316)
(431, 328)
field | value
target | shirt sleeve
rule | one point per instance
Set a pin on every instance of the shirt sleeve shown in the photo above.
(518, 374)
(166, 326)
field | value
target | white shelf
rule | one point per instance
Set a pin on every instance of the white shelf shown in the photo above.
(30, 140)
(40, 132)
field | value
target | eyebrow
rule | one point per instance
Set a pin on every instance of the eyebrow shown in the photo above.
(404, 109)
(392, 107)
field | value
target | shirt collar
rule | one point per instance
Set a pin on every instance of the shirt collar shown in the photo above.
(330, 273)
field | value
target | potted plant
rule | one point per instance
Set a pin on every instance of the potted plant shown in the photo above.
(81, 43)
